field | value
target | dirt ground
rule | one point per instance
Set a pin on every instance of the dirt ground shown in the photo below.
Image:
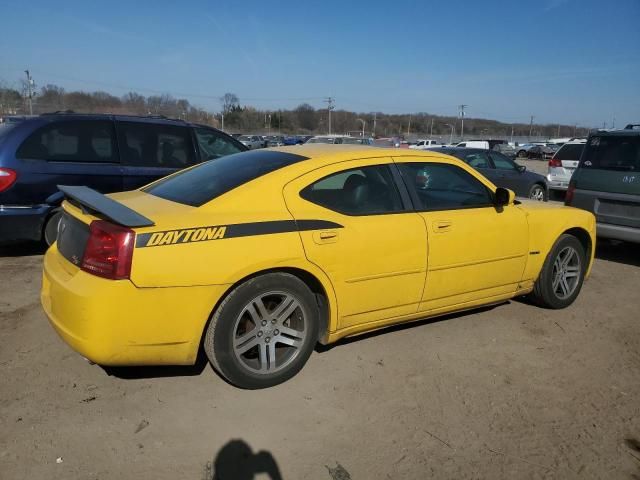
(513, 391)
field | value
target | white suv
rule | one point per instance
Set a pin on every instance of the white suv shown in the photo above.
(563, 163)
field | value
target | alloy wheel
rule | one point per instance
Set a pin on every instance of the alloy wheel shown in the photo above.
(566, 273)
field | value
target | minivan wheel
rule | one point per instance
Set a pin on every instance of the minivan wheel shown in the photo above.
(263, 332)
(538, 192)
(562, 274)
(50, 232)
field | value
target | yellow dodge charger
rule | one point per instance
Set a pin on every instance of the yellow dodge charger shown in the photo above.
(256, 257)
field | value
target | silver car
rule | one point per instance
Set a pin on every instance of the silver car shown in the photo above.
(563, 163)
(251, 141)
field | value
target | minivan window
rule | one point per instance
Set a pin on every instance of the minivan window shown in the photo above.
(154, 145)
(71, 141)
(570, 151)
(612, 153)
(199, 185)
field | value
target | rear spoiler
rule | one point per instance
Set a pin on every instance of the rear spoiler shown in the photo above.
(96, 202)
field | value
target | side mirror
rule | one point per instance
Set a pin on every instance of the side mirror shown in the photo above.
(522, 168)
(503, 196)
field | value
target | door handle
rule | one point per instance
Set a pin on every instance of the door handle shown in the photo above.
(441, 226)
(325, 236)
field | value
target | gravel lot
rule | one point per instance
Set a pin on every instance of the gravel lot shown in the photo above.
(513, 391)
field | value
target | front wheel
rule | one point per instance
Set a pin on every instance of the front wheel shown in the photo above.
(562, 274)
(538, 192)
(263, 332)
(522, 154)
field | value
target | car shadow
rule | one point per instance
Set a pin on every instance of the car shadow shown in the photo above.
(159, 371)
(407, 325)
(23, 249)
(619, 252)
(236, 461)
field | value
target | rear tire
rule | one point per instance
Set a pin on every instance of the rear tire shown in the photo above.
(50, 231)
(562, 274)
(522, 154)
(263, 332)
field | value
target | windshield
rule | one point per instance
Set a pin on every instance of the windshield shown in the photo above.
(612, 153)
(207, 181)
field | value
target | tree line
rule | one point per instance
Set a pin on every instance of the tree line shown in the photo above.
(304, 119)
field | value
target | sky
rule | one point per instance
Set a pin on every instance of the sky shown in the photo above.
(566, 61)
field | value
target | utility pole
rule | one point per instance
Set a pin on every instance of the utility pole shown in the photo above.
(558, 130)
(614, 123)
(363, 126)
(462, 107)
(374, 124)
(30, 86)
(431, 134)
(330, 106)
(531, 127)
(575, 129)
(451, 137)
(222, 115)
(409, 126)
(512, 134)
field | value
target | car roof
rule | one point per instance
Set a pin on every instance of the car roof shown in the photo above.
(68, 115)
(625, 132)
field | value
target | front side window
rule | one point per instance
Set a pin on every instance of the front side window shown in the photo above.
(501, 162)
(440, 186)
(213, 145)
(72, 141)
(154, 145)
(358, 191)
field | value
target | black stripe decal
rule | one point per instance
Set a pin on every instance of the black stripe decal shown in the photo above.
(220, 232)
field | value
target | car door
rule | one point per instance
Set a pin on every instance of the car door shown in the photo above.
(509, 174)
(477, 251)
(373, 248)
(152, 150)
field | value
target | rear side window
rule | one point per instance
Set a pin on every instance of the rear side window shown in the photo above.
(440, 186)
(155, 145)
(73, 141)
(214, 145)
(612, 153)
(359, 191)
(207, 181)
(570, 151)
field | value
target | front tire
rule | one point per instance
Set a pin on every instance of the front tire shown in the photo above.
(538, 192)
(263, 332)
(562, 274)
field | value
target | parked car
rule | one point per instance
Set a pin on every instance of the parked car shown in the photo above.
(392, 142)
(423, 144)
(503, 171)
(607, 183)
(563, 163)
(486, 144)
(330, 139)
(258, 257)
(357, 141)
(275, 140)
(251, 141)
(505, 149)
(108, 153)
(522, 149)
(540, 152)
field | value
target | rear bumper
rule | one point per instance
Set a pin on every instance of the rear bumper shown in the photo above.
(115, 323)
(618, 232)
(557, 183)
(19, 223)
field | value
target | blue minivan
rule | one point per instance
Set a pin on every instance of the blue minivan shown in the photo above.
(109, 153)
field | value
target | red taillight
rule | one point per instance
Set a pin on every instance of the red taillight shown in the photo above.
(570, 191)
(554, 162)
(7, 178)
(109, 250)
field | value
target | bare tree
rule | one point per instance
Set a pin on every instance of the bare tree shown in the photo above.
(230, 102)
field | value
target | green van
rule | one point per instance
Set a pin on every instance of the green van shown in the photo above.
(607, 182)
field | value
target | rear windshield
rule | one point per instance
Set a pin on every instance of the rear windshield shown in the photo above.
(612, 153)
(207, 181)
(570, 151)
